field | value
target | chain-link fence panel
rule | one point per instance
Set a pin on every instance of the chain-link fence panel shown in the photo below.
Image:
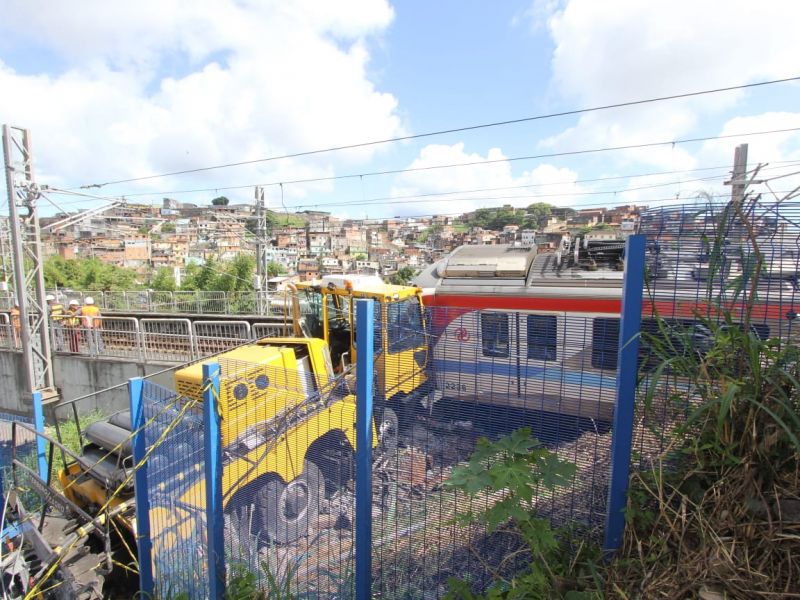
(488, 373)
(288, 438)
(712, 267)
(176, 492)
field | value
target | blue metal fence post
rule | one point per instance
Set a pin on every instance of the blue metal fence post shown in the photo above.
(627, 367)
(215, 524)
(144, 542)
(38, 423)
(365, 322)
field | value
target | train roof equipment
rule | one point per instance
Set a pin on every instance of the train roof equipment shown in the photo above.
(578, 261)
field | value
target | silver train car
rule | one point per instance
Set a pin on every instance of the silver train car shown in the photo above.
(519, 328)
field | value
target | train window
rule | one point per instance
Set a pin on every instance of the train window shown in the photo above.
(605, 343)
(542, 337)
(494, 335)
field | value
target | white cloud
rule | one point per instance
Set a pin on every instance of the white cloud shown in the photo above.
(150, 87)
(620, 50)
(544, 183)
(611, 51)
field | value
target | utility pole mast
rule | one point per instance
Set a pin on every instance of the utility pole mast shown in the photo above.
(28, 265)
(262, 257)
(738, 180)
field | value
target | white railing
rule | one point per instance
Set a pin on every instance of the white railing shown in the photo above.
(147, 339)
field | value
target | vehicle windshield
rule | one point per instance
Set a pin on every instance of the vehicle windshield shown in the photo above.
(311, 312)
(404, 325)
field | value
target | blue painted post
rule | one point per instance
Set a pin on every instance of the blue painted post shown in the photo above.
(213, 446)
(144, 542)
(365, 322)
(38, 423)
(627, 366)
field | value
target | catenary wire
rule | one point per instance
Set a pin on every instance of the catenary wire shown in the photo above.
(774, 165)
(251, 185)
(534, 195)
(387, 199)
(477, 163)
(452, 130)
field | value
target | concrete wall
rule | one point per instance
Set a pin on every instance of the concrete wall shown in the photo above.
(76, 376)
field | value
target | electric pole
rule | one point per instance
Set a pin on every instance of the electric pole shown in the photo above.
(262, 257)
(28, 265)
(739, 176)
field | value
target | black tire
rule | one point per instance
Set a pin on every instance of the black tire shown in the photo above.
(285, 510)
(388, 427)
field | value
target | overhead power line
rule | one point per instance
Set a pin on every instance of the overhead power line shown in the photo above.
(455, 165)
(773, 165)
(447, 131)
(356, 175)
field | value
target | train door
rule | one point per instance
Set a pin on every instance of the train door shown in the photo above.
(542, 339)
(498, 368)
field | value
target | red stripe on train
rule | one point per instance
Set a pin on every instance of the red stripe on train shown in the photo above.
(580, 305)
(453, 306)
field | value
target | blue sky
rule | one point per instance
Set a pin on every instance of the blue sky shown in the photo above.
(113, 92)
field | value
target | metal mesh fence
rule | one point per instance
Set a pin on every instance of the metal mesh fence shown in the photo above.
(176, 492)
(484, 374)
(288, 437)
(25, 448)
(711, 266)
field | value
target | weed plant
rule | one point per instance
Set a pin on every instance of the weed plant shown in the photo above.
(515, 471)
(717, 516)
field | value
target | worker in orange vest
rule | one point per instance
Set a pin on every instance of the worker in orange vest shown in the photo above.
(16, 324)
(92, 321)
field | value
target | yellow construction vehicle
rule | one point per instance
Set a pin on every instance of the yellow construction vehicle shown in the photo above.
(325, 309)
(285, 420)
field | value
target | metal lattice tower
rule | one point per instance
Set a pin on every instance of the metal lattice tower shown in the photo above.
(28, 263)
(262, 252)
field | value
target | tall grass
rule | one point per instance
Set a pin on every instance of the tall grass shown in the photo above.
(718, 515)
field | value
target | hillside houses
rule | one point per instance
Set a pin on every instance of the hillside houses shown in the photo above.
(305, 245)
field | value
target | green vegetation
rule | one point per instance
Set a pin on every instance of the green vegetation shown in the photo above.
(285, 219)
(87, 274)
(163, 280)
(460, 227)
(591, 228)
(714, 509)
(403, 276)
(514, 472)
(497, 218)
(274, 269)
(220, 201)
(68, 431)
(230, 276)
(168, 228)
(432, 230)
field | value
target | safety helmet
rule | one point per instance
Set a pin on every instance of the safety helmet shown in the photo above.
(88, 300)
(74, 303)
(50, 297)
